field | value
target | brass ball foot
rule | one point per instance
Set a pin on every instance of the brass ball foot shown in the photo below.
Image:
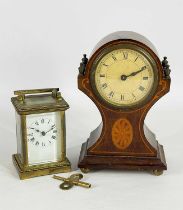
(157, 172)
(85, 170)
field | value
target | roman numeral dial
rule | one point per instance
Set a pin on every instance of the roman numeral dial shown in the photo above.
(124, 77)
(42, 132)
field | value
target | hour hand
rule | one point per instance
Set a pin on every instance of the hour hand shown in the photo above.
(35, 130)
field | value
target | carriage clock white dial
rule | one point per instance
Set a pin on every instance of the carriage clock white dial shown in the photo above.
(43, 134)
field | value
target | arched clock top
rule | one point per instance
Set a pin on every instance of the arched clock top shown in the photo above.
(122, 35)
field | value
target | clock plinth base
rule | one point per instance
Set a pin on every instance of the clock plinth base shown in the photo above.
(122, 162)
(59, 167)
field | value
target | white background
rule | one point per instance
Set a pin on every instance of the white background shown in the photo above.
(41, 45)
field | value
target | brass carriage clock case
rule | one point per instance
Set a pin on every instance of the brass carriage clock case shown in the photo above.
(124, 77)
(40, 102)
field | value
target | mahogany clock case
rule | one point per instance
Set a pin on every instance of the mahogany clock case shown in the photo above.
(142, 151)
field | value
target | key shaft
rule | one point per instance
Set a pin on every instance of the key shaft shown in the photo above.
(75, 182)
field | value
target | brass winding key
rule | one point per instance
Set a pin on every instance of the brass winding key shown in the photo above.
(71, 181)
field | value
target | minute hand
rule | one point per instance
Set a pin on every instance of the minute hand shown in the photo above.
(52, 127)
(136, 72)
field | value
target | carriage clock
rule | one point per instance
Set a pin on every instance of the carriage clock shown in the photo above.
(124, 78)
(40, 128)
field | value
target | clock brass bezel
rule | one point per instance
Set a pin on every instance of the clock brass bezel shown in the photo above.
(125, 44)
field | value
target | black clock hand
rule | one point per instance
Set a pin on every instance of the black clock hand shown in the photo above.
(36, 130)
(52, 127)
(43, 133)
(124, 77)
(136, 72)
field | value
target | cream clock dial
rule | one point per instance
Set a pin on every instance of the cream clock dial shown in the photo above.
(124, 77)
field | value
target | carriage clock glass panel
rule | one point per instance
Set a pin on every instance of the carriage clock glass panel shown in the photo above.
(124, 77)
(19, 137)
(44, 137)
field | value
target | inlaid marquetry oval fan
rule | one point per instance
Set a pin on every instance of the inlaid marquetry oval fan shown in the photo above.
(122, 133)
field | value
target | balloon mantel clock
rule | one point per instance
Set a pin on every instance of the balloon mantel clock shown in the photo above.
(124, 77)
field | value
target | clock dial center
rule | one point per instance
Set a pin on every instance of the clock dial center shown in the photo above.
(123, 77)
(43, 133)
